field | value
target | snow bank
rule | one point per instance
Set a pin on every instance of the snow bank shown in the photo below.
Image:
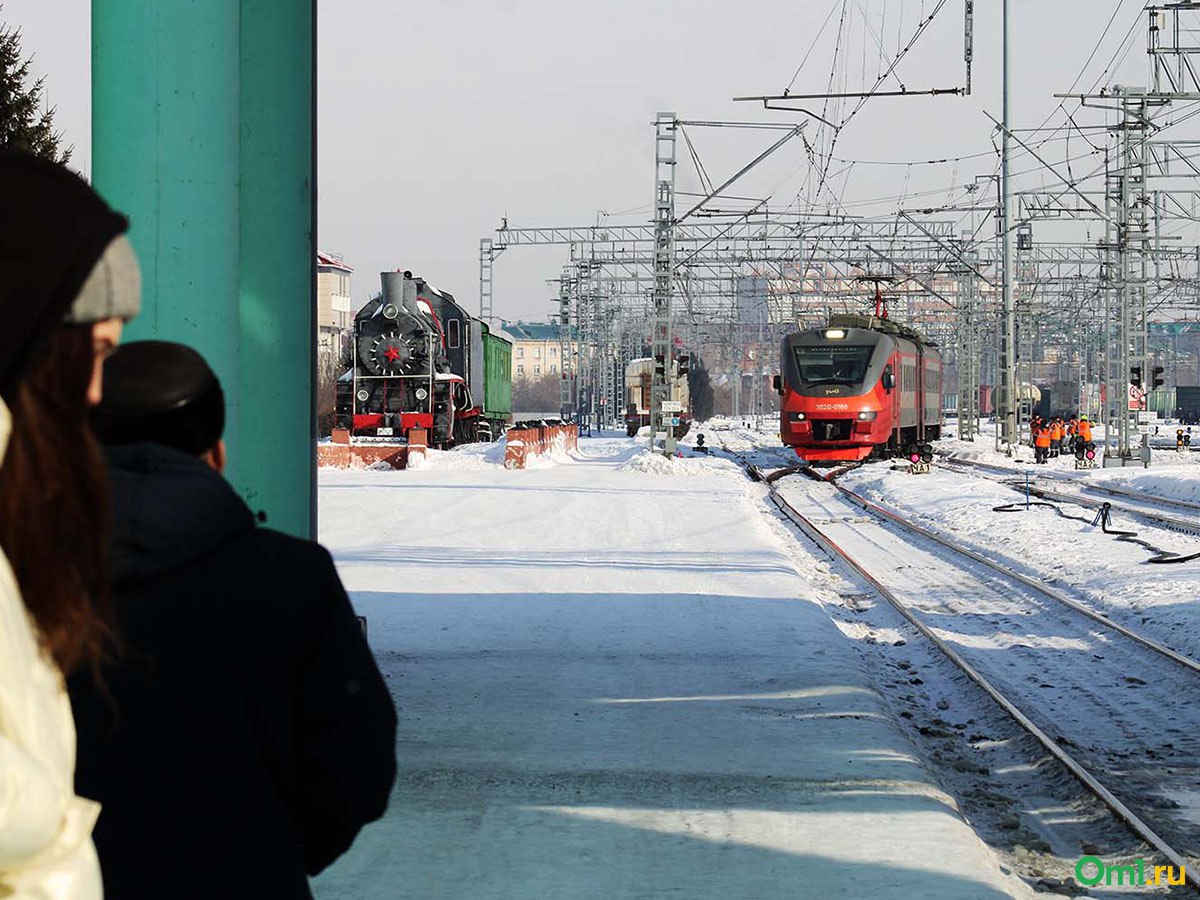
(658, 464)
(1173, 482)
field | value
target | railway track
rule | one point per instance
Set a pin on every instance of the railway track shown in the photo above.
(1097, 695)
(1163, 512)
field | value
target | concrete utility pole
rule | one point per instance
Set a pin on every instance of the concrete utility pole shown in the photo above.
(1008, 332)
(661, 351)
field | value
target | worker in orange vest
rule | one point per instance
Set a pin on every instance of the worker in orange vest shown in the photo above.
(1041, 442)
(1084, 431)
(1056, 436)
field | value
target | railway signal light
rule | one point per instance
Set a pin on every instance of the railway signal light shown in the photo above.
(1135, 376)
(1090, 451)
(685, 361)
(926, 452)
(1156, 380)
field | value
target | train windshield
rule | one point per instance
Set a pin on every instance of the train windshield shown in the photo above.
(834, 363)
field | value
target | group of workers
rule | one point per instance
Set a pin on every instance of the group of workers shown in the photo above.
(1052, 436)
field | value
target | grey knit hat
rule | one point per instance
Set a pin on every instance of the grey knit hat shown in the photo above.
(113, 289)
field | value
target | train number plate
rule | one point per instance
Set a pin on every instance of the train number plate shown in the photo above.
(383, 432)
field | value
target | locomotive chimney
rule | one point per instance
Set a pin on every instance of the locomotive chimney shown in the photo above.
(400, 289)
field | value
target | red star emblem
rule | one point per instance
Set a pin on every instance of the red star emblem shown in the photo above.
(392, 354)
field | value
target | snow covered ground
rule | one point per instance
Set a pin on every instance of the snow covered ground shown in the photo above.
(618, 682)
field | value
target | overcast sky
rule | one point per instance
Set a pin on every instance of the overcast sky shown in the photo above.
(438, 119)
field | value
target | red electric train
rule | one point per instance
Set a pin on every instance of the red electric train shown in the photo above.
(862, 387)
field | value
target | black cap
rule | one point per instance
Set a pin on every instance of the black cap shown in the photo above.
(53, 230)
(162, 392)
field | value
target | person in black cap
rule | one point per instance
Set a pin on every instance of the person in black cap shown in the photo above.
(70, 281)
(247, 734)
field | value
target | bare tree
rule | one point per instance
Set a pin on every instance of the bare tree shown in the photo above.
(539, 394)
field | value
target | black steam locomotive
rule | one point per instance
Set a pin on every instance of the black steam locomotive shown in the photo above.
(422, 361)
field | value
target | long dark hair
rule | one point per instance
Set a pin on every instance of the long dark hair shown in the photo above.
(54, 502)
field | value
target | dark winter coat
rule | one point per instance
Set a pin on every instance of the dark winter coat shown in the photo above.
(249, 734)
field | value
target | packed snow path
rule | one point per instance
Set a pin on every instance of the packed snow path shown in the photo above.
(613, 682)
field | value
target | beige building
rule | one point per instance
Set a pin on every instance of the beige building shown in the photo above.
(536, 350)
(335, 317)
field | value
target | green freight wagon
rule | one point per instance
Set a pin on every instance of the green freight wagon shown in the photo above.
(495, 376)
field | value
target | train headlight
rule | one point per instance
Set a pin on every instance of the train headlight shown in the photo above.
(867, 415)
(835, 334)
(390, 311)
(422, 393)
(796, 416)
(362, 396)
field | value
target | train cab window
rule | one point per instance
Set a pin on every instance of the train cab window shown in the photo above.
(454, 334)
(835, 364)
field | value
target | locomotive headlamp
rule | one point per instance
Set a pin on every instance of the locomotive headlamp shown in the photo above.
(867, 415)
(422, 393)
(391, 311)
(363, 396)
(796, 416)
(835, 334)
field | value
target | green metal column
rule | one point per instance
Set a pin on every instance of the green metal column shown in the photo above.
(165, 152)
(203, 133)
(278, 271)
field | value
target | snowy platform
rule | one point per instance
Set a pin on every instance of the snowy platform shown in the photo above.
(614, 682)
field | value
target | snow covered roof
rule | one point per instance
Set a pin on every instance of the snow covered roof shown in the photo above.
(532, 331)
(331, 261)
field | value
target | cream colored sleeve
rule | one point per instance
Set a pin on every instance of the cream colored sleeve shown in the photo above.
(33, 804)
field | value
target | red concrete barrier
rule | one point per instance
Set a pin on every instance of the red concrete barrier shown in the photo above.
(341, 454)
(522, 443)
